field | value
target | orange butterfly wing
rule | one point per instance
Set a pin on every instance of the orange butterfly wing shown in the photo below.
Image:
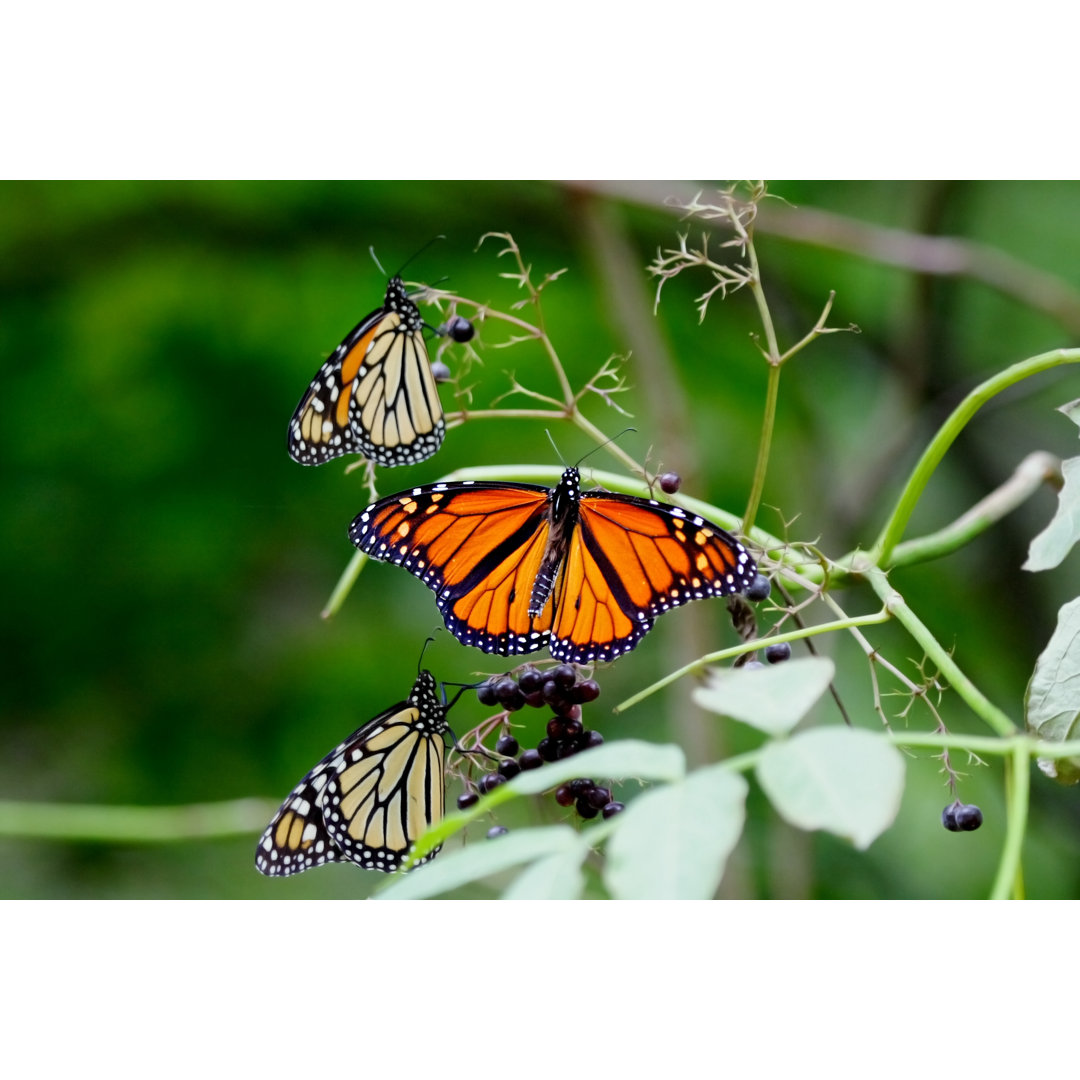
(478, 547)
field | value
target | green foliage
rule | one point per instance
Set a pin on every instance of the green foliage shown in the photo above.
(1050, 547)
(773, 699)
(846, 780)
(1051, 705)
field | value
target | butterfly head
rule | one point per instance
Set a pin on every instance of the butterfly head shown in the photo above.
(567, 494)
(397, 300)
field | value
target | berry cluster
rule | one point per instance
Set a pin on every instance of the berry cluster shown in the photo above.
(588, 798)
(559, 689)
(961, 817)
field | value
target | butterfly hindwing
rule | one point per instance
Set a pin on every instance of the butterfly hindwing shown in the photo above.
(375, 395)
(297, 838)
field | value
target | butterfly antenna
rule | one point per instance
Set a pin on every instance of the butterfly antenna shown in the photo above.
(554, 447)
(415, 254)
(431, 638)
(375, 259)
(606, 442)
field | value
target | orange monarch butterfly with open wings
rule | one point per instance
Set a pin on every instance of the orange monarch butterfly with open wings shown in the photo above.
(515, 567)
(369, 799)
(375, 395)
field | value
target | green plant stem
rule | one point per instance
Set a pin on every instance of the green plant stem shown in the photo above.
(134, 824)
(894, 527)
(983, 744)
(1019, 783)
(344, 584)
(772, 392)
(456, 419)
(699, 665)
(1035, 470)
(768, 422)
(975, 699)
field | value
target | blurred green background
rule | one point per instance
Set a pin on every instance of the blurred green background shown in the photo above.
(165, 563)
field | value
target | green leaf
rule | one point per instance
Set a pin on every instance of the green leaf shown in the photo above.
(672, 843)
(772, 699)
(1051, 703)
(628, 757)
(842, 779)
(1050, 547)
(479, 860)
(556, 877)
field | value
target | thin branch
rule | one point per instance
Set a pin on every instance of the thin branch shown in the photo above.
(134, 824)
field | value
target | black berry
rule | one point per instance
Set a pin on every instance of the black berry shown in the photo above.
(613, 808)
(460, 329)
(565, 676)
(580, 786)
(586, 691)
(485, 693)
(599, 797)
(670, 482)
(497, 830)
(591, 739)
(968, 818)
(489, 781)
(564, 796)
(439, 371)
(778, 653)
(586, 810)
(548, 749)
(531, 679)
(759, 588)
(507, 746)
(530, 759)
(556, 729)
(509, 768)
(508, 693)
(948, 817)
(467, 799)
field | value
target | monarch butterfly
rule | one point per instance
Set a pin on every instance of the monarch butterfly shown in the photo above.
(375, 395)
(515, 567)
(370, 798)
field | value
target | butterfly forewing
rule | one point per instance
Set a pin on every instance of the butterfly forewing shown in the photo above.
(375, 395)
